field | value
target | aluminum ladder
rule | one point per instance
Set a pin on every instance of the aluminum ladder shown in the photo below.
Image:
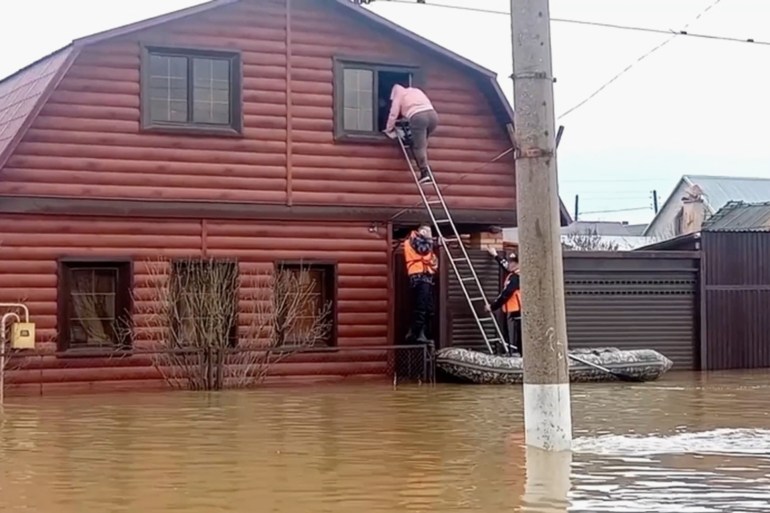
(475, 296)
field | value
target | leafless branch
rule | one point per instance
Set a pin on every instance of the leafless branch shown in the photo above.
(589, 240)
(215, 329)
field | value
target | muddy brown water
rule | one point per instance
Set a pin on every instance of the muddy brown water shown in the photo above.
(687, 444)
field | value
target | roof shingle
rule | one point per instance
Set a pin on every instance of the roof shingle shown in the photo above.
(719, 190)
(737, 216)
(20, 92)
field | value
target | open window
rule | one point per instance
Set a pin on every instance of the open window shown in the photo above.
(362, 96)
(386, 79)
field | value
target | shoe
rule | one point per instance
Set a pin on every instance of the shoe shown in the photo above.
(422, 339)
(424, 176)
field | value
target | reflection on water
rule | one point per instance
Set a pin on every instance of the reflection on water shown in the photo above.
(686, 444)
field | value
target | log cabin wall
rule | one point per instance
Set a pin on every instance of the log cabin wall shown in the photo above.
(33, 247)
(88, 141)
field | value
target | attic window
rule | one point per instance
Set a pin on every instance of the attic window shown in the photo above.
(191, 90)
(362, 96)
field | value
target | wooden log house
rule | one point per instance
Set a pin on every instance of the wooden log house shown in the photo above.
(246, 129)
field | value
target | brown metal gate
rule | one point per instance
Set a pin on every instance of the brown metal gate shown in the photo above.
(737, 289)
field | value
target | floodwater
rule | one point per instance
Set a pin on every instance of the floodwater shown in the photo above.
(687, 444)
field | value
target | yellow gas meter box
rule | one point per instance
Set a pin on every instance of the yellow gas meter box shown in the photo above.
(23, 335)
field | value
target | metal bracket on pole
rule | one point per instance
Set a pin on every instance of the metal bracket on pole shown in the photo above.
(533, 153)
(536, 75)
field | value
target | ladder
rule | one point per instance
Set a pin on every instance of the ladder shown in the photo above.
(475, 296)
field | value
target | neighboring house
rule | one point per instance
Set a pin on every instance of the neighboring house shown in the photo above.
(734, 280)
(245, 130)
(594, 236)
(698, 197)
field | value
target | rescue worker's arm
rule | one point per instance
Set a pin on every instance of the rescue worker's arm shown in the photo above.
(506, 293)
(502, 262)
(422, 245)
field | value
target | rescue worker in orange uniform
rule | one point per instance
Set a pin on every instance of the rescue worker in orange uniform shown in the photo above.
(421, 266)
(510, 299)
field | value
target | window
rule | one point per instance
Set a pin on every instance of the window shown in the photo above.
(191, 90)
(94, 305)
(362, 96)
(305, 304)
(205, 295)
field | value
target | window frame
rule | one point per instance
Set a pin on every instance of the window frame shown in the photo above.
(233, 129)
(330, 288)
(376, 65)
(232, 336)
(123, 302)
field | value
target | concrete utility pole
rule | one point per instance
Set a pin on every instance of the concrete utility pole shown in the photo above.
(547, 409)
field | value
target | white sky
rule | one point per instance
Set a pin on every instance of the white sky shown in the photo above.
(695, 106)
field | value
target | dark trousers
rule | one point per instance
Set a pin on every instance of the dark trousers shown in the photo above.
(422, 307)
(422, 126)
(513, 320)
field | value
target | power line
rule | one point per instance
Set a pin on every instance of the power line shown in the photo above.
(614, 180)
(637, 61)
(681, 32)
(617, 210)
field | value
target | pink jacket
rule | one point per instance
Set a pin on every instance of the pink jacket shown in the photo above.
(407, 101)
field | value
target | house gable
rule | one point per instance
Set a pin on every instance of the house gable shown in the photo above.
(717, 191)
(286, 117)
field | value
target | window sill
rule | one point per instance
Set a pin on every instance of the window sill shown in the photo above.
(288, 348)
(373, 138)
(193, 130)
(89, 352)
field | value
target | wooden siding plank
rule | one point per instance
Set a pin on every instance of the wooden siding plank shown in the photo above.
(31, 245)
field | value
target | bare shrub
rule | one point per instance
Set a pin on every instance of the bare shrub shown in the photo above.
(212, 328)
(588, 240)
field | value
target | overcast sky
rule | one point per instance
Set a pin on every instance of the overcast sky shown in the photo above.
(693, 107)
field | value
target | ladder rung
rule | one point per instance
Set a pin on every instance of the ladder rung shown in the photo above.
(469, 279)
(433, 202)
(480, 298)
(452, 240)
(487, 319)
(438, 221)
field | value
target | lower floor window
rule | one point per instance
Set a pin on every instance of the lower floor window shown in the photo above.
(95, 303)
(304, 302)
(205, 297)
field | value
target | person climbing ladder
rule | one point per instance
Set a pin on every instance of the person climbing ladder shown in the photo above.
(413, 104)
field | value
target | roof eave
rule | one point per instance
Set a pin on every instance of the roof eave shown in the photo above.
(41, 101)
(360, 10)
(151, 22)
(646, 231)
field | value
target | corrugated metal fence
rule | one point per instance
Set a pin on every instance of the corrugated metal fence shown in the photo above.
(634, 300)
(737, 300)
